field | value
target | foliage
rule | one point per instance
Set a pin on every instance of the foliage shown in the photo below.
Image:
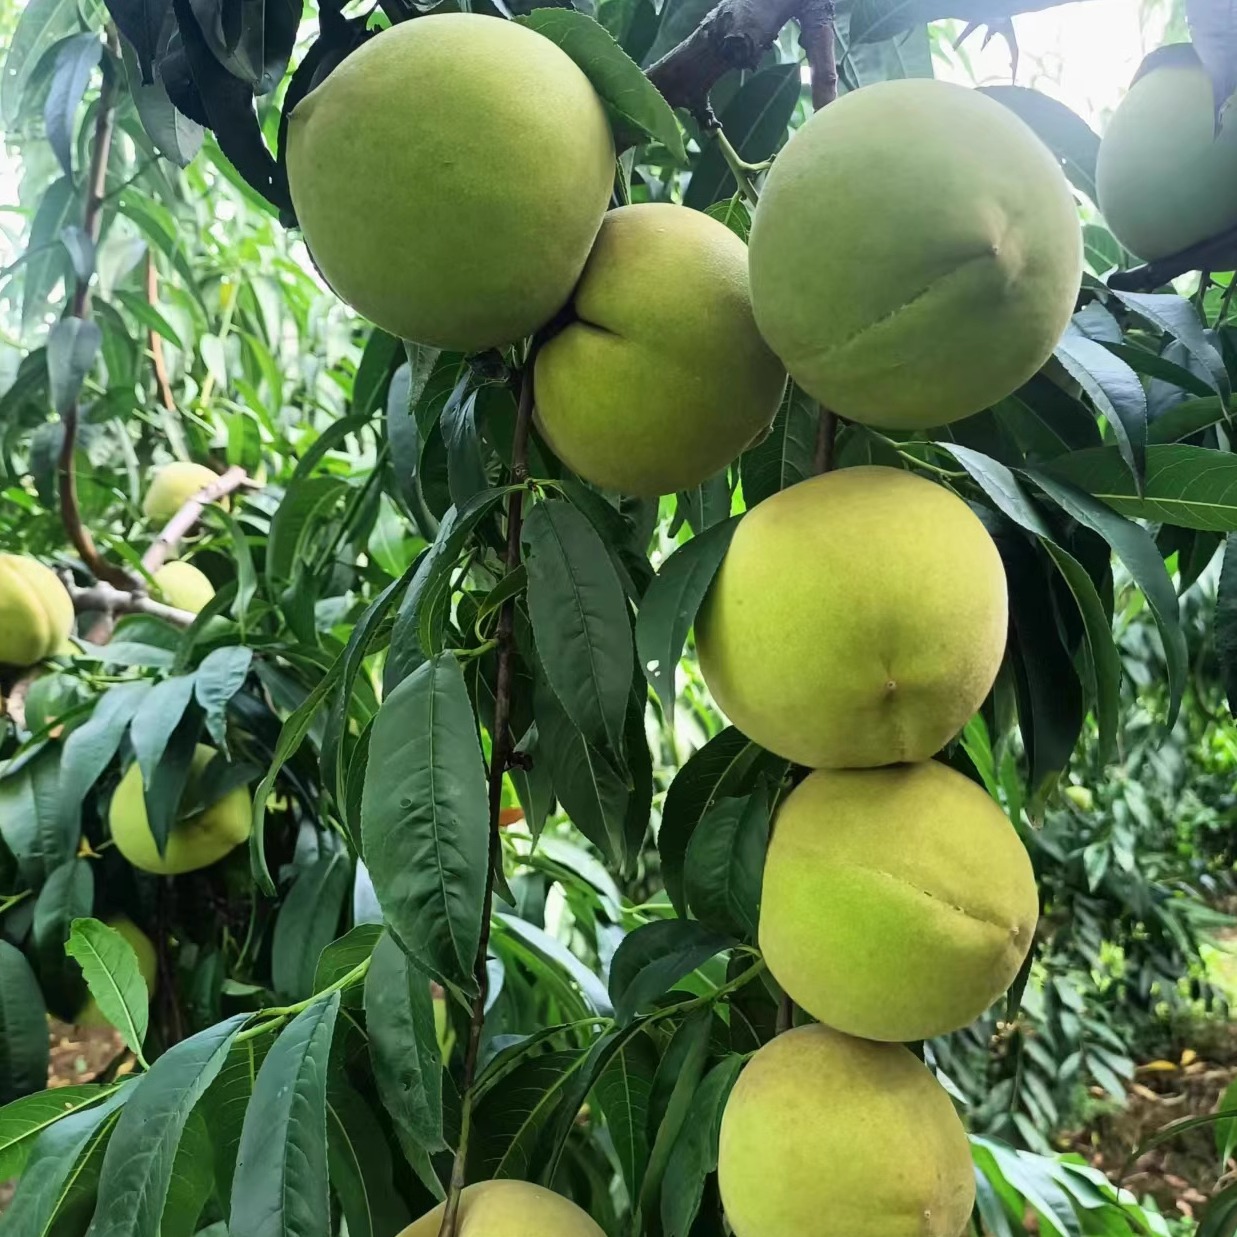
(312, 1018)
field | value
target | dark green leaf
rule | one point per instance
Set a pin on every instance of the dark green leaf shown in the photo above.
(23, 1027)
(72, 345)
(156, 717)
(785, 456)
(307, 921)
(30, 823)
(622, 1092)
(280, 1185)
(654, 957)
(76, 59)
(615, 76)
(1063, 131)
(403, 1044)
(226, 1101)
(425, 819)
(137, 1170)
(193, 1179)
(68, 895)
(346, 954)
(669, 607)
(220, 676)
(24, 1120)
(580, 620)
(1177, 318)
(725, 864)
(1226, 621)
(361, 1170)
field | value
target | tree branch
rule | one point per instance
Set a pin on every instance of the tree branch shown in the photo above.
(816, 37)
(92, 221)
(156, 340)
(1217, 253)
(826, 441)
(102, 598)
(501, 748)
(185, 519)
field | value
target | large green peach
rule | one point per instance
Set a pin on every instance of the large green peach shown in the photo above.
(195, 841)
(184, 586)
(36, 611)
(898, 903)
(916, 254)
(661, 379)
(509, 1208)
(90, 1014)
(829, 1136)
(173, 486)
(858, 618)
(450, 176)
(1166, 179)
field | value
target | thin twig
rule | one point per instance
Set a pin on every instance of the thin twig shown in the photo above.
(826, 441)
(187, 517)
(156, 340)
(501, 749)
(1214, 254)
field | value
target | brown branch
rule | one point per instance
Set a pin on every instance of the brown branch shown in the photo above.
(79, 307)
(188, 516)
(734, 35)
(502, 747)
(156, 340)
(816, 37)
(102, 598)
(1217, 253)
(826, 441)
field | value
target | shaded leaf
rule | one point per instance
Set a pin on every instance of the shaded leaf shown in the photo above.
(76, 59)
(654, 957)
(23, 1027)
(725, 864)
(307, 920)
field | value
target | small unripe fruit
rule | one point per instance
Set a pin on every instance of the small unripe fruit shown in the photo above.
(897, 903)
(172, 486)
(182, 585)
(450, 176)
(1166, 179)
(1081, 797)
(916, 254)
(858, 619)
(91, 1015)
(662, 379)
(36, 611)
(509, 1208)
(193, 842)
(829, 1136)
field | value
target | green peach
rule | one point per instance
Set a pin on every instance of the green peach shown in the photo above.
(897, 903)
(184, 586)
(828, 1136)
(916, 254)
(195, 841)
(450, 176)
(1166, 179)
(509, 1208)
(36, 611)
(662, 378)
(858, 619)
(172, 486)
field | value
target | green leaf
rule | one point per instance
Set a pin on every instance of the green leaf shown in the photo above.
(226, 1101)
(1226, 621)
(137, 1170)
(694, 1155)
(373, 372)
(46, 257)
(785, 456)
(652, 959)
(67, 895)
(193, 1179)
(622, 1093)
(403, 1045)
(72, 345)
(580, 621)
(668, 608)
(23, 1027)
(113, 977)
(280, 1186)
(1191, 487)
(551, 951)
(56, 1161)
(1069, 137)
(346, 954)
(156, 717)
(425, 819)
(220, 676)
(725, 864)
(24, 1120)
(615, 76)
(76, 59)
(42, 24)
(586, 785)
(1134, 546)
(1115, 390)
(755, 122)
(361, 1169)
(1178, 318)
(727, 765)
(308, 503)
(307, 920)
(29, 821)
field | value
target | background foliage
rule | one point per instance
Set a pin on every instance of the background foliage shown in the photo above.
(360, 580)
